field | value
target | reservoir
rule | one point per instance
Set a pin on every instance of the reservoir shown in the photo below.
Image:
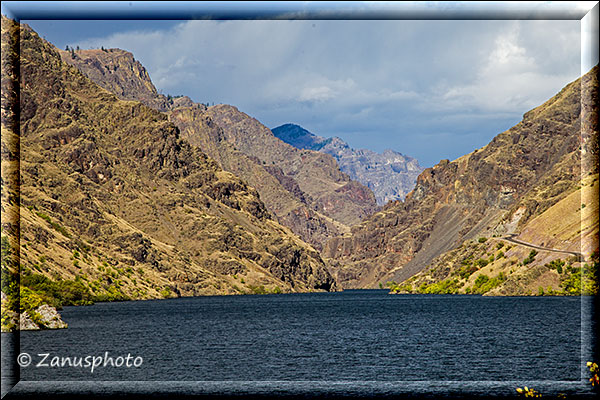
(363, 342)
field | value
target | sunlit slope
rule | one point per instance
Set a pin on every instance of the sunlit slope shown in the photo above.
(493, 191)
(114, 198)
(304, 190)
(546, 261)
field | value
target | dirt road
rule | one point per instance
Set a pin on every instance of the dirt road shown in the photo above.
(510, 237)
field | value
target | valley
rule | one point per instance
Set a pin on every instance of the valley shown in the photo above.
(114, 191)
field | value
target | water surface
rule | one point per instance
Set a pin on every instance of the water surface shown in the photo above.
(350, 341)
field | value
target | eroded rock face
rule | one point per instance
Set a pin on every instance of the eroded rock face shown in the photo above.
(528, 168)
(390, 175)
(111, 191)
(123, 75)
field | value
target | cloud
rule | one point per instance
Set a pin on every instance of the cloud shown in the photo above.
(376, 84)
(510, 79)
(320, 93)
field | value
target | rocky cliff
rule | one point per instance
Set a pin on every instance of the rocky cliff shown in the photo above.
(113, 201)
(390, 175)
(315, 209)
(120, 73)
(495, 190)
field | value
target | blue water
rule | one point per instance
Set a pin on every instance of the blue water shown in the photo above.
(355, 341)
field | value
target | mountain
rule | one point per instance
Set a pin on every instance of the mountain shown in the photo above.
(494, 191)
(121, 74)
(390, 175)
(113, 202)
(304, 190)
(333, 193)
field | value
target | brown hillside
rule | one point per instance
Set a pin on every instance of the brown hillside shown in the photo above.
(112, 196)
(494, 190)
(311, 208)
(317, 174)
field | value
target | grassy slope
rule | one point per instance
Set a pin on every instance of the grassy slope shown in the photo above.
(564, 226)
(113, 198)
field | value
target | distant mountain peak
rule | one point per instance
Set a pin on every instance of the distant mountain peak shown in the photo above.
(390, 175)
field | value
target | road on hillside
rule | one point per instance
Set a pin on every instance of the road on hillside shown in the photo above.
(510, 237)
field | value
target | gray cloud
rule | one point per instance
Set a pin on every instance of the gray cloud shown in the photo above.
(430, 89)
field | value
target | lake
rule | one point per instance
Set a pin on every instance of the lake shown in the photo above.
(362, 342)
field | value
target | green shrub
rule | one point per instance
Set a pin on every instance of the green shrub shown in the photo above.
(481, 279)
(466, 271)
(447, 286)
(57, 293)
(112, 294)
(29, 300)
(406, 287)
(54, 225)
(467, 260)
(484, 284)
(481, 262)
(482, 240)
(530, 257)
(557, 265)
(499, 245)
(276, 290)
(258, 289)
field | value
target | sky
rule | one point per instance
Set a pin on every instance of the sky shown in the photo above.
(430, 89)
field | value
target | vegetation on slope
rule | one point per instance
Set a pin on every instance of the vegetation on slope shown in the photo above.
(305, 191)
(494, 190)
(114, 203)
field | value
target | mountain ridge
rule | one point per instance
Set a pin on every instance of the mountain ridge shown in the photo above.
(391, 175)
(311, 208)
(477, 194)
(114, 204)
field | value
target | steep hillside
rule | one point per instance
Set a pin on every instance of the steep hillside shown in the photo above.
(333, 193)
(311, 209)
(545, 258)
(114, 200)
(281, 194)
(495, 190)
(390, 175)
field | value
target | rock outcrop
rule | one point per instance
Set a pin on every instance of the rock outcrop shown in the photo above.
(44, 317)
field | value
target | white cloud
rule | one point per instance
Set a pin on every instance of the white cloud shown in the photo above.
(399, 78)
(509, 79)
(320, 93)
